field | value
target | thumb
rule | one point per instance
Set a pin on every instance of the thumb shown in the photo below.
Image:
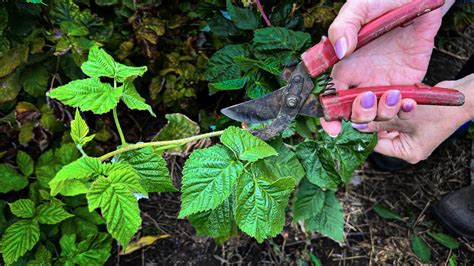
(352, 16)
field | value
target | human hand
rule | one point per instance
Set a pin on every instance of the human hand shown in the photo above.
(399, 57)
(413, 136)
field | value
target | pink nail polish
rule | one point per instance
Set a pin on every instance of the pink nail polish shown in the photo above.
(341, 47)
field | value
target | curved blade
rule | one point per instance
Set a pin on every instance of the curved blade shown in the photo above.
(312, 107)
(258, 110)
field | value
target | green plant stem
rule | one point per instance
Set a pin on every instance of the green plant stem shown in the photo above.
(176, 142)
(117, 122)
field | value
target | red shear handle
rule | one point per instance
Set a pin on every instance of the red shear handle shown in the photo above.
(320, 57)
(339, 105)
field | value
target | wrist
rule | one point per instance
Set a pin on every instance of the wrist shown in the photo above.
(447, 5)
(466, 86)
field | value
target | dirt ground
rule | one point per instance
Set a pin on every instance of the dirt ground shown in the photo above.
(369, 239)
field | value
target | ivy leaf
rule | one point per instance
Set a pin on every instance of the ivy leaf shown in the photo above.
(88, 95)
(23, 208)
(35, 80)
(19, 238)
(118, 205)
(80, 130)
(276, 38)
(208, 182)
(309, 201)
(386, 213)
(221, 65)
(243, 18)
(51, 213)
(227, 85)
(261, 204)
(12, 59)
(153, 171)
(217, 223)
(25, 163)
(11, 180)
(445, 240)
(285, 164)
(133, 100)
(82, 168)
(246, 146)
(330, 221)
(420, 248)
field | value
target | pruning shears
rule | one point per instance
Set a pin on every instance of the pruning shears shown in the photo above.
(296, 98)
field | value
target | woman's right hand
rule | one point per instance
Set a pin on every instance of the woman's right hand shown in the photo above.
(409, 134)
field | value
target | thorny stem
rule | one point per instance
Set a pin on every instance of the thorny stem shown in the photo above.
(176, 142)
(117, 122)
(263, 13)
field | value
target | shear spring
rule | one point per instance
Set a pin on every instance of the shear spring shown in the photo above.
(329, 88)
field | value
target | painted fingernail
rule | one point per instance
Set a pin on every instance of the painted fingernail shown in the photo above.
(341, 47)
(359, 126)
(392, 98)
(407, 107)
(368, 100)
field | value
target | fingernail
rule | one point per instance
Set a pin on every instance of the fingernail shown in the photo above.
(368, 100)
(359, 126)
(341, 47)
(407, 107)
(392, 98)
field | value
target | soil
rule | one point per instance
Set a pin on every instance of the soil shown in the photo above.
(369, 239)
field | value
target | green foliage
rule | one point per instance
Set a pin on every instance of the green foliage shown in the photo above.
(245, 146)
(445, 240)
(11, 180)
(80, 130)
(23, 208)
(386, 213)
(420, 248)
(19, 238)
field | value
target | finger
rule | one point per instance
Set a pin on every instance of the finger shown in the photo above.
(389, 105)
(364, 108)
(407, 110)
(353, 14)
(333, 128)
(389, 126)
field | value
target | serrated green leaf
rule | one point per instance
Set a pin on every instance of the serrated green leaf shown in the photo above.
(35, 80)
(42, 257)
(11, 180)
(101, 64)
(420, 248)
(227, 85)
(19, 238)
(133, 100)
(82, 168)
(445, 240)
(208, 182)
(152, 168)
(285, 164)
(119, 208)
(88, 95)
(23, 208)
(309, 201)
(25, 163)
(243, 18)
(246, 146)
(128, 73)
(51, 213)
(386, 213)
(80, 130)
(12, 59)
(217, 223)
(261, 203)
(276, 38)
(221, 65)
(318, 171)
(330, 221)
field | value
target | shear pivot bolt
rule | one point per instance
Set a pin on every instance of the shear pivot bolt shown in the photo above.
(297, 79)
(292, 101)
